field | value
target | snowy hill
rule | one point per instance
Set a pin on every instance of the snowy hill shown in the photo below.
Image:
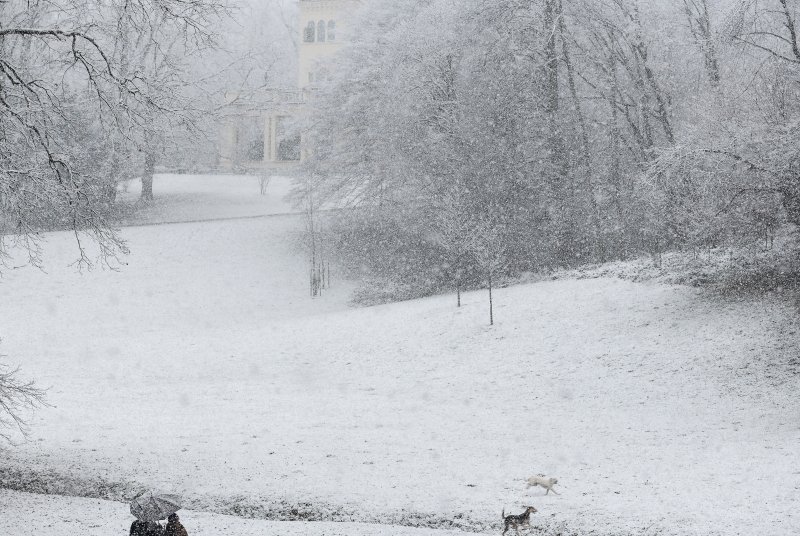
(203, 367)
(91, 517)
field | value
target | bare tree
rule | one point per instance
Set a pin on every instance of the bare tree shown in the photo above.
(78, 81)
(72, 96)
(583, 120)
(453, 224)
(699, 21)
(487, 246)
(770, 27)
(16, 397)
(156, 42)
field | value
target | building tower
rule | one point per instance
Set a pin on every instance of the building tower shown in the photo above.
(323, 30)
(257, 134)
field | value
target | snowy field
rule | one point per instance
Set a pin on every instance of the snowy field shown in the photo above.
(203, 367)
(47, 515)
(182, 198)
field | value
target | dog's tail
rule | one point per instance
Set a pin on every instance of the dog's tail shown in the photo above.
(503, 515)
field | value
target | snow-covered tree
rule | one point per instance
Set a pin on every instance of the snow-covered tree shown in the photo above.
(602, 129)
(79, 82)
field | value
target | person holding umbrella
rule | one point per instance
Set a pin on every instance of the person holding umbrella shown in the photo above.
(174, 527)
(148, 508)
(146, 528)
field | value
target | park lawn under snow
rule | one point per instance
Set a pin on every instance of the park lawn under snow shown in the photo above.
(182, 198)
(203, 367)
(48, 515)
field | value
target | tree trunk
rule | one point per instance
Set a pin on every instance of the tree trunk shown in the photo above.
(619, 195)
(121, 44)
(588, 184)
(147, 177)
(561, 190)
(700, 26)
(791, 26)
(555, 140)
(110, 189)
(791, 202)
(491, 304)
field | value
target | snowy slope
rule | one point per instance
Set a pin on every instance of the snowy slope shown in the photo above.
(41, 515)
(204, 368)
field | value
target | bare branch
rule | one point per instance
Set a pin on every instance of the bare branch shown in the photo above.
(16, 397)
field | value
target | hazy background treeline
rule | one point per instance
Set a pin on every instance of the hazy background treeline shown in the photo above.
(478, 138)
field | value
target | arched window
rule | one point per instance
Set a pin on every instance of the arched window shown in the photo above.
(308, 33)
(331, 30)
(321, 31)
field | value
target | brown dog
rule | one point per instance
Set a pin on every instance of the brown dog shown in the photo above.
(524, 519)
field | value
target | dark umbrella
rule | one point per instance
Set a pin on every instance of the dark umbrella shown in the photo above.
(149, 506)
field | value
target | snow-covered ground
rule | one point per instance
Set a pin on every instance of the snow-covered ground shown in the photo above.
(47, 515)
(181, 198)
(203, 367)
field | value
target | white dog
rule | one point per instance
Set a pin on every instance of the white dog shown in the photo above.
(543, 481)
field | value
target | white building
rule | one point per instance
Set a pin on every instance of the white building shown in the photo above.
(256, 135)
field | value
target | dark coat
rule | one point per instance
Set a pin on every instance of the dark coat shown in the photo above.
(146, 528)
(175, 528)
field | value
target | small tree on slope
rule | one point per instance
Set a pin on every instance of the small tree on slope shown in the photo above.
(487, 246)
